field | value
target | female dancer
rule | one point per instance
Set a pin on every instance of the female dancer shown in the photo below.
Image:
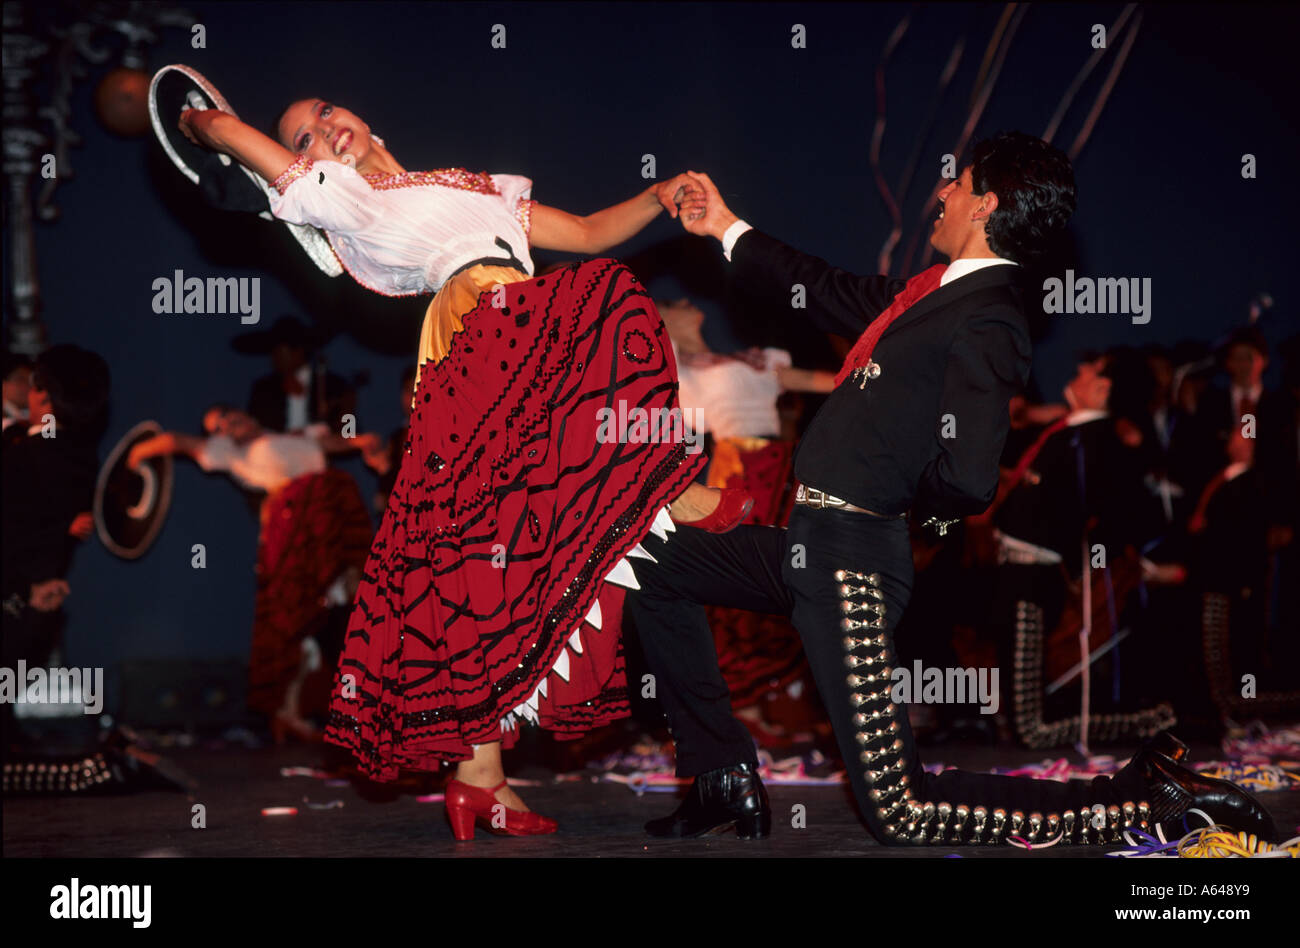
(311, 543)
(511, 508)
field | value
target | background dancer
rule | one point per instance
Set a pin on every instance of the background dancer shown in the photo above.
(733, 399)
(313, 539)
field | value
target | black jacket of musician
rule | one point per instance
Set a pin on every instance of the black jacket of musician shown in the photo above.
(925, 434)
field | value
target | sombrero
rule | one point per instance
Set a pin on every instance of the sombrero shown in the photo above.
(224, 182)
(131, 506)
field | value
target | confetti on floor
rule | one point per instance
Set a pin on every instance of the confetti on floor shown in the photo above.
(648, 766)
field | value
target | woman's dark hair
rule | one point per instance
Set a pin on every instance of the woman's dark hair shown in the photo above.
(222, 407)
(275, 126)
(1035, 187)
(77, 382)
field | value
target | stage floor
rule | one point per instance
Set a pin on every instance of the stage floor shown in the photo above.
(597, 819)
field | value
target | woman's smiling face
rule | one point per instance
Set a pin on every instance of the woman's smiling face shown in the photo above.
(324, 132)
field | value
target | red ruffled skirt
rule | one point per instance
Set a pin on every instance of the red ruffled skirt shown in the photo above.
(512, 504)
(313, 529)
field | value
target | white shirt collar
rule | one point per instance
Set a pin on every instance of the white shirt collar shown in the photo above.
(967, 265)
(1083, 416)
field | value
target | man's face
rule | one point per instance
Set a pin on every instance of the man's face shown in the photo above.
(1162, 372)
(286, 359)
(959, 208)
(17, 385)
(1089, 390)
(1245, 365)
(38, 401)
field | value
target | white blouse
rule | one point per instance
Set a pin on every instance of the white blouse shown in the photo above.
(731, 398)
(406, 234)
(268, 462)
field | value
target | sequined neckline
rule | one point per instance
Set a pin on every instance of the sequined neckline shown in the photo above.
(480, 182)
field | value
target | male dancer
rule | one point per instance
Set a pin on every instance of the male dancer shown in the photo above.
(916, 424)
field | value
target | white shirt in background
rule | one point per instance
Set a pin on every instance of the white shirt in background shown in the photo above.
(730, 398)
(269, 461)
(296, 415)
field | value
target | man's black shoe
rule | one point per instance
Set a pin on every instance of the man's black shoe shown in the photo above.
(718, 800)
(1172, 790)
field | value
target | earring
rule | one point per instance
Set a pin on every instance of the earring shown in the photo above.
(348, 160)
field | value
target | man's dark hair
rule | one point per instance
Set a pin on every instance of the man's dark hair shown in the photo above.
(1130, 382)
(77, 381)
(1128, 373)
(13, 361)
(1035, 187)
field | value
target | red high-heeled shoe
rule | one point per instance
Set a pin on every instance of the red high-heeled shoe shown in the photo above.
(733, 507)
(466, 805)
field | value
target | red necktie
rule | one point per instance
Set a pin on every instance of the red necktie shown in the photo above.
(1028, 457)
(1197, 522)
(920, 285)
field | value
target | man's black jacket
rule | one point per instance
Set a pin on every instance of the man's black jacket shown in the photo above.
(927, 433)
(47, 482)
(268, 403)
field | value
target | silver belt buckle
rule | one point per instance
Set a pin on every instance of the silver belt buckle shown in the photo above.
(817, 499)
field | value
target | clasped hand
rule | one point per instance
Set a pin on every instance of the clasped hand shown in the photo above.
(702, 210)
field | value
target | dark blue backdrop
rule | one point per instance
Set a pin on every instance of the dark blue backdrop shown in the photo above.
(579, 94)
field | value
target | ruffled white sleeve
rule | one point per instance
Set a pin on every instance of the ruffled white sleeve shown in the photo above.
(324, 194)
(776, 359)
(517, 192)
(217, 453)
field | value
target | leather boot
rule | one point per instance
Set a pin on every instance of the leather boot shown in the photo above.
(1174, 790)
(717, 801)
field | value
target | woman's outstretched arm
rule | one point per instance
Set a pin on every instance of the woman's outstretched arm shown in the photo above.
(805, 380)
(169, 442)
(554, 229)
(223, 132)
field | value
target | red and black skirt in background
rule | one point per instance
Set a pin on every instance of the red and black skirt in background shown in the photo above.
(313, 529)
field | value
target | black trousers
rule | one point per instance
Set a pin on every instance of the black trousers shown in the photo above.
(844, 579)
